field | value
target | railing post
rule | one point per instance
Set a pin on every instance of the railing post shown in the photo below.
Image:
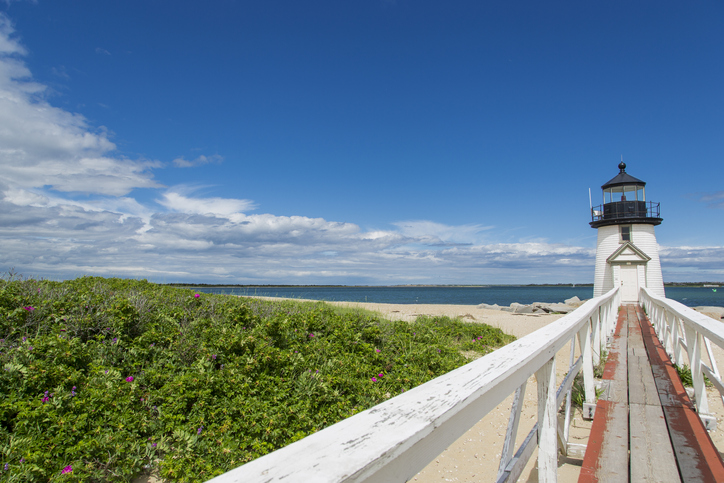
(584, 342)
(596, 339)
(674, 335)
(547, 423)
(677, 342)
(693, 343)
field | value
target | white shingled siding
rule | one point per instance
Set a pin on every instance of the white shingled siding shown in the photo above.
(644, 238)
(608, 242)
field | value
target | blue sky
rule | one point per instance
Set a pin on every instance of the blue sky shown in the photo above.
(360, 142)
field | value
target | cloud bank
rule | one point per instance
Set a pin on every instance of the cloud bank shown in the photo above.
(69, 206)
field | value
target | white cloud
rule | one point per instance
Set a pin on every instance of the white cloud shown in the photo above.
(175, 201)
(201, 160)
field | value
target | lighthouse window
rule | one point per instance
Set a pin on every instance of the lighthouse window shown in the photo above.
(625, 233)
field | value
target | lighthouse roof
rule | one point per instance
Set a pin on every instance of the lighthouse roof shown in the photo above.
(623, 178)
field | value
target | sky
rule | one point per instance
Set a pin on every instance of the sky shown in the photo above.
(366, 142)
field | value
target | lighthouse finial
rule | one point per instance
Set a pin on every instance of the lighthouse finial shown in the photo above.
(622, 165)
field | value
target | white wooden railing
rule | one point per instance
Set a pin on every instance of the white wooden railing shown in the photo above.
(394, 440)
(680, 327)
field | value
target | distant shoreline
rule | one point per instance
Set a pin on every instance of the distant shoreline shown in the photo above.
(379, 286)
(666, 284)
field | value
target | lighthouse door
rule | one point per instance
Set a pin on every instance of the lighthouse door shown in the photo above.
(629, 283)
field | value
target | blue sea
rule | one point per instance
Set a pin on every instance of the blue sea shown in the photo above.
(493, 294)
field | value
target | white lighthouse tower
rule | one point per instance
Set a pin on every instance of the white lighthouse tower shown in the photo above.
(627, 254)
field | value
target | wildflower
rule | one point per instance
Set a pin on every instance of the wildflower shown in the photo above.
(29, 308)
(24, 339)
(198, 431)
(67, 469)
(196, 296)
(311, 335)
(129, 379)
(154, 445)
(377, 350)
(213, 356)
(72, 392)
(7, 466)
(380, 375)
(374, 379)
(22, 460)
(115, 339)
(45, 399)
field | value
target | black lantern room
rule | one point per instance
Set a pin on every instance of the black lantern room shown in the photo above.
(624, 202)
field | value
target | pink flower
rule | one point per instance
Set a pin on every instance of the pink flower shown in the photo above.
(196, 296)
(374, 379)
(67, 469)
(129, 379)
(380, 375)
(311, 335)
(377, 350)
(29, 309)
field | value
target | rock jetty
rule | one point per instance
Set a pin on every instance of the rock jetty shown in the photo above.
(535, 308)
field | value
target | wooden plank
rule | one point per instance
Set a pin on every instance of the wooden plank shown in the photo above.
(652, 457)
(641, 386)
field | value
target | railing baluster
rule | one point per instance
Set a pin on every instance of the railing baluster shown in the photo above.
(584, 341)
(567, 421)
(509, 445)
(693, 339)
(547, 427)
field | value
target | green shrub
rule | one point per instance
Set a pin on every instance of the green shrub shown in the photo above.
(104, 379)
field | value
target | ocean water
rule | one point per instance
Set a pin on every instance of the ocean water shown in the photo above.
(494, 294)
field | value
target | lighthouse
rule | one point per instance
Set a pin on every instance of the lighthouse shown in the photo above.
(627, 254)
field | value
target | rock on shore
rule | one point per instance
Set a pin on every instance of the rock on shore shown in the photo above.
(567, 306)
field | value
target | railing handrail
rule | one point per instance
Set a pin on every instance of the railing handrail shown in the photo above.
(394, 440)
(708, 327)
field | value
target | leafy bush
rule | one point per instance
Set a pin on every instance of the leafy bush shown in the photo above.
(104, 379)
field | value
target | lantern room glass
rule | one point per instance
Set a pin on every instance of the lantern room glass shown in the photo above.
(624, 193)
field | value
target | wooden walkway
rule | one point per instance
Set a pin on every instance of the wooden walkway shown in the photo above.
(645, 427)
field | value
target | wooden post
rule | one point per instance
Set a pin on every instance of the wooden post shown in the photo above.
(595, 326)
(584, 342)
(677, 342)
(547, 427)
(693, 342)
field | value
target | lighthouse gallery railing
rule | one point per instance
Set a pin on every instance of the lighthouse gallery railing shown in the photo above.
(394, 440)
(680, 327)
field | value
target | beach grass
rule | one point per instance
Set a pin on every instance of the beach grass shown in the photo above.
(106, 379)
